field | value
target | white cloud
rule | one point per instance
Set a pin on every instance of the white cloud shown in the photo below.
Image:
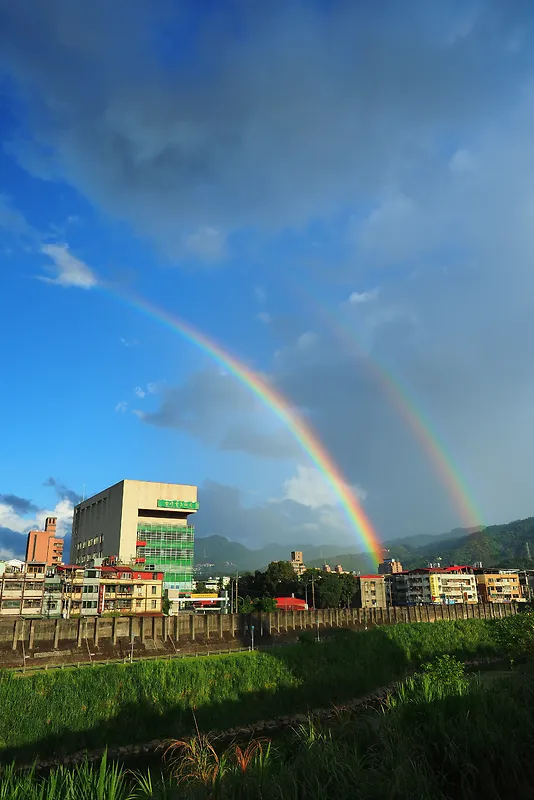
(63, 510)
(264, 317)
(128, 342)
(309, 488)
(121, 406)
(208, 244)
(67, 270)
(150, 388)
(10, 519)
(363, 297)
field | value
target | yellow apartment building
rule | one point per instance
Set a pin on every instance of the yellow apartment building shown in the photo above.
(495, 586)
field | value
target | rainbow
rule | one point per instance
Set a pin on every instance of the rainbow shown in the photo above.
(414, 417)
(303, 434)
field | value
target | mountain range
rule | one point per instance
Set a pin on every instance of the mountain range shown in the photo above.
(510, 544)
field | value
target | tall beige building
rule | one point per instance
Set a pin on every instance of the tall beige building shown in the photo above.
(139, 522)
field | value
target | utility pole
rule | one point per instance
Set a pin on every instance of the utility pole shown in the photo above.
(235, 589)
(313, 590)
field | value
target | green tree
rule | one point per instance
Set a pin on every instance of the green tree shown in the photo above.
(265, 604)
(328, 590)
(280, 578)
(245, 605)
(200, 587)
(166, 603)
(349, 589)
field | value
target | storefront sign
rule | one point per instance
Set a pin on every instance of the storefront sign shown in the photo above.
(187, 505)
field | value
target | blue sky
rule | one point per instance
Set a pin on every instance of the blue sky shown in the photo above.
(267, 172)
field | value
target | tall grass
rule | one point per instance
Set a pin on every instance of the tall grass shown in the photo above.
(454, 740)
(441, 736)
(65, 711)
(105, 782)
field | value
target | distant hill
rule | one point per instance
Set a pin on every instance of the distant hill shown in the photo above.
(227, 555)
(496, 545)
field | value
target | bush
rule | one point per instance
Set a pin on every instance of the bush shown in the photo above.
(515, 636)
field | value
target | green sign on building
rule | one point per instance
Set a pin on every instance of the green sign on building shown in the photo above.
(187, 505)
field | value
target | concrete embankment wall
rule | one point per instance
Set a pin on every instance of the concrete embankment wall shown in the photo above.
(39, 642)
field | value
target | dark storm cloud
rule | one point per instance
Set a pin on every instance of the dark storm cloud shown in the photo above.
(63, 492)
(223, 512)
(219, 410)
(308, 108)
(20, 505)
(12, 544)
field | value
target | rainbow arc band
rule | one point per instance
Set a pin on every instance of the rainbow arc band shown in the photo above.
(409, 410)
(280, 406)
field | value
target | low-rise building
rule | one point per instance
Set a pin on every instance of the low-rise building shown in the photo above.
(52, 597)
(291, 604)
(389, 566)
(498, 586)
(130, 591)
(21, 591)
(436, 585)
(371, 591)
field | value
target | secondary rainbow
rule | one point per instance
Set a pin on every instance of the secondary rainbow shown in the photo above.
(302, 432)
(414, 416)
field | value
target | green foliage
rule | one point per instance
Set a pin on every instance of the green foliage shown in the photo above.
(166, 603)
(265, 604)
(103, 782)
(515, 636)
(249, 606)
(63, 711)
(445, 670)
(465, 741)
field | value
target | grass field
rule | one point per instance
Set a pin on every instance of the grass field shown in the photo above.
(441, 736)
(65, 711)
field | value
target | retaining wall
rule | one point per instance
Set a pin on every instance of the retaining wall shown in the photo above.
(43, 641)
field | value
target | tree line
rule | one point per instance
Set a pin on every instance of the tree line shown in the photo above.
(256, 591)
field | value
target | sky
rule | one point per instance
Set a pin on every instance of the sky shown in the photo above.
(338, 194)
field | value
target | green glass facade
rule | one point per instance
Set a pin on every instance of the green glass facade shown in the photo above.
(170, 548)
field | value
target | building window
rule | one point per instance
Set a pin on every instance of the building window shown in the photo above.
(154, 590)
(138, 603)
(153, 603)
